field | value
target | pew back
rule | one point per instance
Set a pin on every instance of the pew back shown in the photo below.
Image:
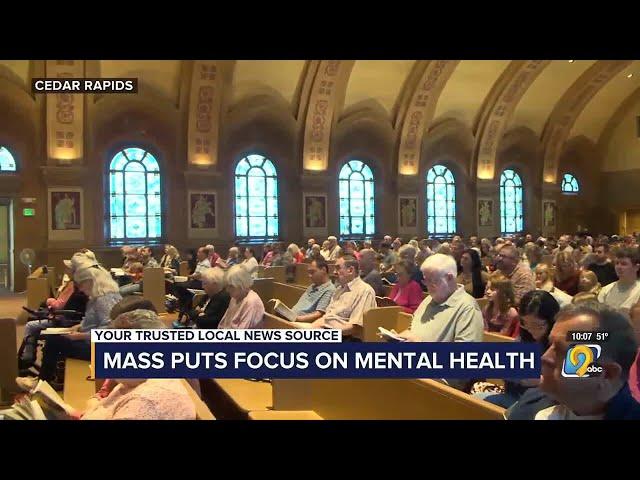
(8, 359)
(153, 285)
(279, 274)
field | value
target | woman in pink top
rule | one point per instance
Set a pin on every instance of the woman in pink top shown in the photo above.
(246, 308)
(634, 372)
(407, 292)
(140, 399)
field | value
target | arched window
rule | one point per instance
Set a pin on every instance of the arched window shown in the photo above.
(510, 202)
(441, 201)
(570, 184)
(256, 205)
(7, 162)
(135, 211)
(357, 216)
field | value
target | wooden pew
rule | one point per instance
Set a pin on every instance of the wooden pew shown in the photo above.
(403, 321)
(38, 288)
(78, 388)
(279, 274)
(153, 287)
(8, 360)
(397, 399)
(496, 337)
(386, 317)
(183, 269)
(301, 276)
(264, 288)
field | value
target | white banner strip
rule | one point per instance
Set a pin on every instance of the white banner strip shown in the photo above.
(303, 335)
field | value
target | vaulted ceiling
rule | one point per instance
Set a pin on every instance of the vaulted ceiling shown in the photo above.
(385, 84)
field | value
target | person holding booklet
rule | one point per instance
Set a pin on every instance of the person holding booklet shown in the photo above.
(314, 301)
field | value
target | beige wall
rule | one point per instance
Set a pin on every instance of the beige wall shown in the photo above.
(623, 149)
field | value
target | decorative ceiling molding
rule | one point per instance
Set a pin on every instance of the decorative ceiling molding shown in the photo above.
(569, 107)
(204, 113)
(419, 113)
(326, 98)
(498, 110)
(65, 115)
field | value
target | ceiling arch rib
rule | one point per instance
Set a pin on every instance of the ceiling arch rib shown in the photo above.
(498, 110)
(569, 107)
(420, 112)
(325, 101)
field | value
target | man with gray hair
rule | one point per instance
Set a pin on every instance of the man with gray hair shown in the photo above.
(334, 249)
(369, 273)
(350, 301)
(449, 313)
(596, 395)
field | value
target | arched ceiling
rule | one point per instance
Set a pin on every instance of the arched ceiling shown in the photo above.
(161, 76)
(467, 88)
(19, 67)
(380, 80)
(604, 104)
(538, 102)
(391, 84)
(264, 76)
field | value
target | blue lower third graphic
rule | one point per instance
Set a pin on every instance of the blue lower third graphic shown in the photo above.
(305, 360)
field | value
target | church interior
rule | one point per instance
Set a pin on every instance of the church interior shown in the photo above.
(237, 154)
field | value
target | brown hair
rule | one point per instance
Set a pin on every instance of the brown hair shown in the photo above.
(506, 296)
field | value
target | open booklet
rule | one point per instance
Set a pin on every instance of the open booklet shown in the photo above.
(282, 310)
(42, 403)
(390, 336)
(56, 331)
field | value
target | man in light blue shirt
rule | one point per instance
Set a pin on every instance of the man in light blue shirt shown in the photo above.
(314, 301)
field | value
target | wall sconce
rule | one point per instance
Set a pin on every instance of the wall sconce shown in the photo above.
(202, 160)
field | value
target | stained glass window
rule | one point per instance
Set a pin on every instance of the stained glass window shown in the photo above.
(441, 201)
(357, 216)
(256, 205)
(7, 162)
(135, 211)
(570, 184)
(511, 220)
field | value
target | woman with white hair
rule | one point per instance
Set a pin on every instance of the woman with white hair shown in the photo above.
(103, 294)
(140, 399)
(246, 308)
(232, 259)
(209, 312)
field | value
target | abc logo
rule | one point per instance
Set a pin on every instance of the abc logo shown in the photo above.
(580, 359)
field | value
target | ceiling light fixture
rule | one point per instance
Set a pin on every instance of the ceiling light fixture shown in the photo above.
(630, 75)
(571, 61)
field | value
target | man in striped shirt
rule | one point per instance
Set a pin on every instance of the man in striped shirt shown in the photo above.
(314, 301)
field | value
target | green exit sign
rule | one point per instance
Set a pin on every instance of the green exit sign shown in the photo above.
(28, 212)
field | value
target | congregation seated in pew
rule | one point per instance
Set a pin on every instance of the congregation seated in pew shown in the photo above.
(209, 312)
(597, 397)
(245, 308)
(449, 313)
(537, 313)
(316, 298)
(350, 301)
(141, 399)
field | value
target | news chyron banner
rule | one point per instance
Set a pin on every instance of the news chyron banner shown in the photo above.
(299, 353)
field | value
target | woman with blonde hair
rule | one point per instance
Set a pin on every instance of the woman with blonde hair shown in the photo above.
(294, 250)
(170, 261)
(500, 314)
(589, 282)
(567, 274)
(543, 278)
(246, 308)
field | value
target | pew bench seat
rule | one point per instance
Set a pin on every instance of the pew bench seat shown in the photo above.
(234, 398)
(285, 415)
